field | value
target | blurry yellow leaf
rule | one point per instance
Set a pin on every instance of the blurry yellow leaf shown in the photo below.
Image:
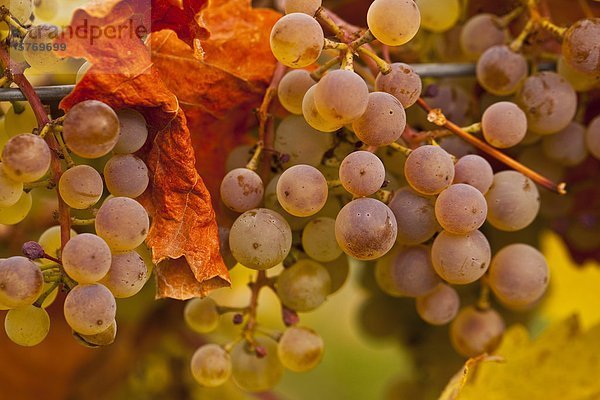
(458, 381)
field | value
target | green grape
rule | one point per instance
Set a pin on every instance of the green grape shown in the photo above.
(22, 122)
(518, 275)
(91, 129)
(80, 187)
(45, 9)
(513, 201)
(50, 242)
(503, 124)
(133, 131)
(301, 142)
(581, 46)
(242, 190)
(402, 82)
(21, 282)
(318, 240)
(85, 67)
(393, 22)
(500, 70)
(460, 209)
(383, 121)
(126, 175)
(474, 331)
(123, 223)
(90, 309)
(10, 190)
(293, 87)
(429, 169)
(20, 9)
(456, 146)
(86, 258)
(341, 96)
(26, 158)
(415, 216)
(339, 270)
(303, 286)
(480, 32)
(103, 338)
(253, 373)
(238, 157)
(127, 274)
(309, 7)
(580, 81)
(438, 16)
(312, 115)
(300, 349)
(460, 259)
(38, 47)
(297, 40)
(17, 212)
(211, 365)
(474, 170)
(27, 326)
(439, 306)
(567, 147)
(260, 239)
(406, 272)
(592, 137)
(302, 190)
(202, 314)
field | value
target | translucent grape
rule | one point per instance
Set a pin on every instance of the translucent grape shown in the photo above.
(313, 117)
(50, 242)
(406, 272)
(439, 306)
(201, 314)
(103, 338)
(581, 45)
(301, 142)
(304, 286)
(592, 137)
(535, 158)
(300, 349)
(22, 122)
(17, 212)
(474, 170)
(211, 365)
(393, 22)
(81, 186)
(91, 129)
(438, 16)
(460, 259)
(481, 32)
(90, 309)
(567, 146)
(21, 282)
(518, 275)
(238, 157)
(82, 71)
(365, 228)
(309, 7)
(415, 216)
(51, 297)
(297, 40)
(26, 158)
(402, 82)
(341, 96)
(580, 81)
(302, 190)
(293, 87)
(474, 331)
(86, 258)
(338, 270)
(253, 373)
(454, 100)
(429, 169)
(36, 43)
(127, 275)
(513, 201)
(10, 190)
(383, 121)
(242, 190)
(318, 240)
(260, 239)
(549, 102)
(362, 173)
(500, 70)
(45, 9)
(27, 326)
(20, 9)
(126, 175)
(456, 146)
(133, 131)
(460, 209)
(503, 124)
(123, 223)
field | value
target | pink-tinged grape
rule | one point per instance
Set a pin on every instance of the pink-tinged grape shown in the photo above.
(481, 32)
(402, 82)
(86, 258)
(303, 286)
(90, 309)
(365, 228)
(567, 147)
(27, 326)
(302, 143)
(393, 22)
(133, 131)
(456, 146)
(513, 201)
(362, 173)
(242, 190)
(580, 81)
(253, 373)
(549, 102)
(211, 365)
(592, 137)
(103, 338)
(500, 70)
(302, 190)
(518, 275)
(460, 209)
(341, 96)
(474, 331)
(260, 239)
(503, 124)
(17, 212)
(309, 7)
(415, 216)
(439, 306)
(126, 175)
(318, 240)
(91, 129)
(127, 274)
(438, 16)
(297, 40)
(21, 282)
(81, 186)
(581, 46)
(383, 121)
(10, 190)
(300, 349)
(26, 158)
(123, 223)
(313, 117)
(474, 170)
(429, 169)
(406, 272)
(292, 88)
(201, 314)
(461, 259)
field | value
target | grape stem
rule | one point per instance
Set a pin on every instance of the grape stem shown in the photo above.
(473, 128)
(402, 149)
(80, 222)
(47, 293)
(63, 148)
(483, 302)
(319, 72)
(382, 65)
(12, 22)
(486, 148)
(47, 183)
(255, 287)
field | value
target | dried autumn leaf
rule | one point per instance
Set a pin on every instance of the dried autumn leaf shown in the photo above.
(182, 17)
